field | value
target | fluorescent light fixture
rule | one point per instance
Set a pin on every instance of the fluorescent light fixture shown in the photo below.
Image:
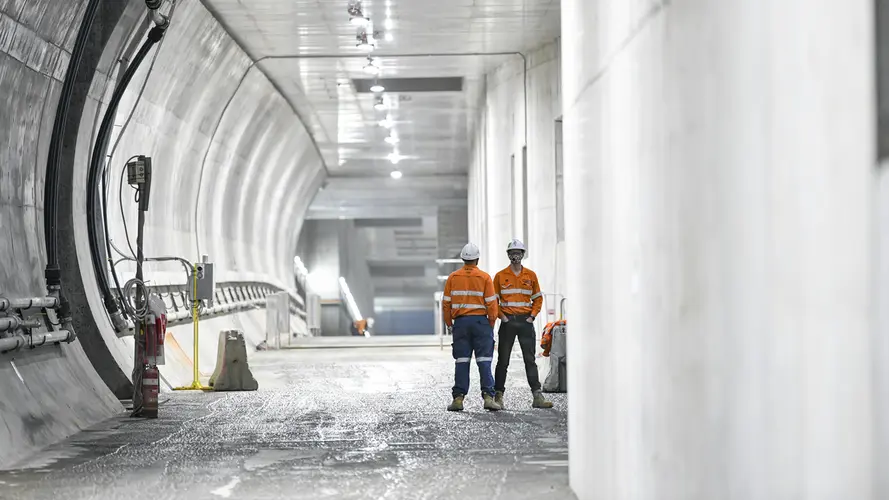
(394, 158)
(392, 139)
(380, 104)
(351, 305)
(387, 123)
(371, 68)
(377, 88)
(356, 15)
(389, 36)
(300, 268)
(366, 40)
(448, 261)
(396, 174)
(388, 24)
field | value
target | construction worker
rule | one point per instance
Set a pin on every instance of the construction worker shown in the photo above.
(520, 303)
(469, 308)
(359, 328)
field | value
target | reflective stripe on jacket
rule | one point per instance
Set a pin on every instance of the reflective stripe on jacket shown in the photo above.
(469, 292)
(519, 294)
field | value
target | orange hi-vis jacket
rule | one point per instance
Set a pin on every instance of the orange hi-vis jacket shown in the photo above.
(469, 292)
(519, 294)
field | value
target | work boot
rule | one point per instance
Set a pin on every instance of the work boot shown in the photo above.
(540, 402)
(457, 404)
(490, 404)
(498, 398)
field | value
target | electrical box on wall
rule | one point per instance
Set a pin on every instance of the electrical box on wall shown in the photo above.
(206, 286)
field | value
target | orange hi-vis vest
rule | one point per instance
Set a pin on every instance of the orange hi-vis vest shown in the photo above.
(519, 293)
(469, 292)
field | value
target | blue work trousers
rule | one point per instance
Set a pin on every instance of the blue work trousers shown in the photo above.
(473, 334)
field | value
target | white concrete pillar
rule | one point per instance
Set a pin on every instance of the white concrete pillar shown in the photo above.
(719, 167)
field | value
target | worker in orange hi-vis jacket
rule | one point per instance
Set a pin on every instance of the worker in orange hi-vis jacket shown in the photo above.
(469, 308)
(520, 297)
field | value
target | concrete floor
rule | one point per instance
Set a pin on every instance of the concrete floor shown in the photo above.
(326, 424)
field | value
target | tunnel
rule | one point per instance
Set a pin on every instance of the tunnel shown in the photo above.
(293, 190)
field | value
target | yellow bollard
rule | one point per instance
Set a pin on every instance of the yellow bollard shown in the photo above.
(195, 316)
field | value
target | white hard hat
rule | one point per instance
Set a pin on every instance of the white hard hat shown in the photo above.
(470, 252)
(516, 245)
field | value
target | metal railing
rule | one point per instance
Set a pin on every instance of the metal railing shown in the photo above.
(21, 319)
(229, 298)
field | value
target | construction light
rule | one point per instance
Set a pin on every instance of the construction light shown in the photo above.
(356, 15)
(387, 123)
(396, 174)
(371, 68)
(394, 158)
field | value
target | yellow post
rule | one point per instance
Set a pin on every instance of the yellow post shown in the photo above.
(195, 317)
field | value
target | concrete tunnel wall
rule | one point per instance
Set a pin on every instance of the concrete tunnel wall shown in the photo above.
(719, 163)
(235, 171)
(243, 206)
(493, 217)
(726, 285)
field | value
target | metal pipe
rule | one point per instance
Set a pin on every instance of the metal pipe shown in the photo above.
(53, 337)
(154, 13)
(158, 19)
(14, 323)
(36, 340)
(28, 303)
(12, 343)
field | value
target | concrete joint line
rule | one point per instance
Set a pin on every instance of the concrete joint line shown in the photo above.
(643, 23)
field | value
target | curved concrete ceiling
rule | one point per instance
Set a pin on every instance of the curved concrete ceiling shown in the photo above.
(308, 49)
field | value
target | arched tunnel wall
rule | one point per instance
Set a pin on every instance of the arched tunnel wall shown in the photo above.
(50, 392)
(234, 172)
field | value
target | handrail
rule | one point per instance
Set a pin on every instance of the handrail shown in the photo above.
(230, 298)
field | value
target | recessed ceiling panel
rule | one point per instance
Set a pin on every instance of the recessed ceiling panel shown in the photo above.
(403, 85)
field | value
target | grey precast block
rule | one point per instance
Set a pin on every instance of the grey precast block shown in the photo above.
(232, 371)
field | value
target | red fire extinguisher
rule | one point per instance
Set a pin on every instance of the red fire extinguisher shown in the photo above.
(150, 386)
(155, 332)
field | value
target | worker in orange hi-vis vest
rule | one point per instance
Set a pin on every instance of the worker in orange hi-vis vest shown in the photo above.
(469, 308)
(520, 303)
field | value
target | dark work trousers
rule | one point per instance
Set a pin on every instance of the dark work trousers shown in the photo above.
(473, 334)
(517, 326)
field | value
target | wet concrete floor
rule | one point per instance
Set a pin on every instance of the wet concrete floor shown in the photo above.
(326, 424)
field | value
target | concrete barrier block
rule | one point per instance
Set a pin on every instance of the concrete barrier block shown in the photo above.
(232, 372)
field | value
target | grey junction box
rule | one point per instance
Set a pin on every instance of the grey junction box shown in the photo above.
(205, 286)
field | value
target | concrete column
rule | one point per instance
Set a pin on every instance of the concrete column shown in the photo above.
(719, 162)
